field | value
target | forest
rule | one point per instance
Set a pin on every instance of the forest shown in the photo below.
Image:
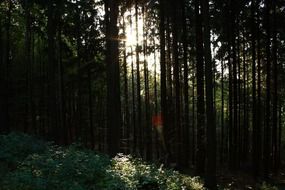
(142, 94)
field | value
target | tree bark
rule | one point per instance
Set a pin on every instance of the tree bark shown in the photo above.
(163, 94)
(267, 128)
(200, 155)
(113, 79)
(275, 93)
(255, 160)
(210, 178)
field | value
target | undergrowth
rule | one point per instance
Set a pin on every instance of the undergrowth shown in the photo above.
(27, 163)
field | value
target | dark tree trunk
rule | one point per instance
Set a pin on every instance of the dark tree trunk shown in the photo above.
(113, 79)
(2, 83)
(28, 40)
(51, 29)
(79, 101)
(267, 127)
(155, 101)
(210, 177)
(279, 161)
(222, 114)
(239, 126)
(5, 73)
(169, 119)
(60, 78)
(275, 94)
(200, 155)
(176, 69)
(134, 123)
(255, 160)
(259, 122)
(245, 105)
(230, 95)
(186, 127)
(148, 134)
(163, 94)
(193, 120)
(234, 80)
(90, 107)
(139, 109)
(126, 92)
(169, 66)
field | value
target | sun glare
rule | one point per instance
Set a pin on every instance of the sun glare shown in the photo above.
(136, 39)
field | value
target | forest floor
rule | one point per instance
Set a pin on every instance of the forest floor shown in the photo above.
(245, 180)
(28, 163)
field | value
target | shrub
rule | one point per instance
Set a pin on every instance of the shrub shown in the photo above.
(60, 168)
(15, 147)
(136, 174)
(265, 186)
(40, 166)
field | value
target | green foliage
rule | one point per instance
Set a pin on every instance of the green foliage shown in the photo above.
(42, 166)
(139, 175)
(17, 146)
(60, 169)
(265, 186)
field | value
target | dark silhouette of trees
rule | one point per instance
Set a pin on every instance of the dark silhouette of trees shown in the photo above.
(101, 72)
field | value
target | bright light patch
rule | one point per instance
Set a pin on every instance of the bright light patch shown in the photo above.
(135, 40)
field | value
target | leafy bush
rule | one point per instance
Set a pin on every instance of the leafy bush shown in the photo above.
(136, 174)
(265, 186)
(15, 147)
(40, 166)
(60, 168)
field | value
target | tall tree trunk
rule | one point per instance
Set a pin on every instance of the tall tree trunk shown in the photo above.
(200, 155)
(90, 102)
(193, 121)
(79, 120)
(113, 79)
(239, 126)
(280, 135)
(148, 134)
(5, 89)
(126, 91)
(259, 122)
(255, 160)
(139, 109)
(164, 110)
(134, 123)
(275, 93)
(186, 129)
(267, 128)
(51, 29)
(176, 74)
(169, 119)
(60, 79)
(28, 38)
(245, 106)
(230, 94)
(234, 66)
(210, 180)
(222, 114)
(155, 99)
(2, 83)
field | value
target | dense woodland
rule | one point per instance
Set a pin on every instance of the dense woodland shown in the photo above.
(103, 72)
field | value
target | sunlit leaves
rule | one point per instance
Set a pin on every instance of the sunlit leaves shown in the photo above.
(57, 168)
